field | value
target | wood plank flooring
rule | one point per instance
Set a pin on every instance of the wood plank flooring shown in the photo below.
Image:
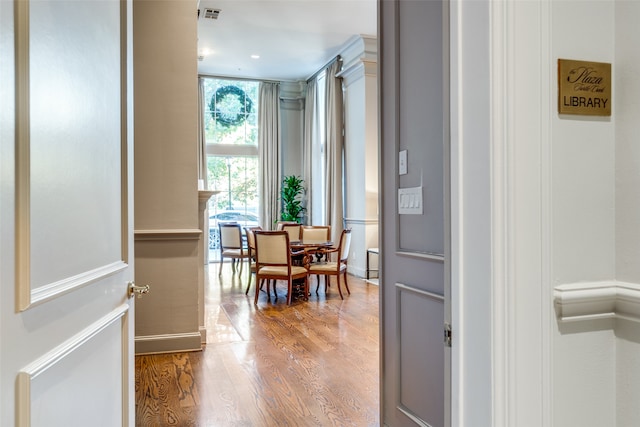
(314, 363)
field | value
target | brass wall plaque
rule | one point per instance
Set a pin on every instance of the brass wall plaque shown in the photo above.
(584, 87)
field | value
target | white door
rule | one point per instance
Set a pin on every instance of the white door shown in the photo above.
(66, 321)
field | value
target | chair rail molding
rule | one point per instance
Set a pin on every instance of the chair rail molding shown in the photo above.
(597, 300)
(168, 234)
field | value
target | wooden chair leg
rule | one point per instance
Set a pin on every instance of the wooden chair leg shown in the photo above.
(317, 283)
(249, 283)
(339, 288)
(268, 287)
(290, 291)
(346, 285)
(221, 262)
(255, 300)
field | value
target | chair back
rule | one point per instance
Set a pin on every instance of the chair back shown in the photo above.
(293, 230)
(272, 248)
(230, 236)
(315, 233)
(345, 244)
(251, 239)
(280, 224)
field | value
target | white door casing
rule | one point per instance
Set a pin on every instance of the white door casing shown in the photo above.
(66, 321)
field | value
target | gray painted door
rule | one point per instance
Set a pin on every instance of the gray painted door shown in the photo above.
(414, 245)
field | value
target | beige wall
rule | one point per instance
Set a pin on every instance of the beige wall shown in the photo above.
(166, 197)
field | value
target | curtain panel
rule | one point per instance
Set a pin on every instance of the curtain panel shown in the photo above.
(334, 150)
(269, 153)
(310, 124)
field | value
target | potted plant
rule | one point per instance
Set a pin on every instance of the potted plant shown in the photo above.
(291, 196)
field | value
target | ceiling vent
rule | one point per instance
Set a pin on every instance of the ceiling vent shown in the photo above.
(210, 13)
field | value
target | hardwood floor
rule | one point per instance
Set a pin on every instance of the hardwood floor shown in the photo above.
(314, 363)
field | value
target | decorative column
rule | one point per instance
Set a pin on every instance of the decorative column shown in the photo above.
(360, 85)
(203, 254)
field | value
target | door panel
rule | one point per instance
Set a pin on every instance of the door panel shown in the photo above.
(414, 251)
(66, 341)
(419, 319)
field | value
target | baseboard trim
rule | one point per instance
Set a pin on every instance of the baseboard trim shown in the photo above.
(168, 343)
(203, 335)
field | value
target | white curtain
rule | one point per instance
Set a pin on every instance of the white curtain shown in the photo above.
(307, 145)
(334, 150)
(202, 143)
(269, 153)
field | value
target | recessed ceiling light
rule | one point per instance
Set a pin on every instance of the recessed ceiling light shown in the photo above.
(255, 56)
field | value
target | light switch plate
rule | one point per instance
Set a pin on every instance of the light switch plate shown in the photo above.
(410, 201)
(402, 162)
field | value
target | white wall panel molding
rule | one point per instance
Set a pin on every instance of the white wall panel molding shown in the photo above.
(293, 90)
(29, 405)
(597, 300)
(47, 292)
(168, 343)
(361, 221)
(168, 234)
(291, 104)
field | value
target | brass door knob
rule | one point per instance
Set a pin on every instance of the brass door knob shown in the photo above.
(137, 290)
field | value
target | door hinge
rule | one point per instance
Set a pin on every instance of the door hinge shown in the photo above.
(447, 334)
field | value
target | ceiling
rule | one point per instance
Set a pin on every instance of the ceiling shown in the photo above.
(294, 38)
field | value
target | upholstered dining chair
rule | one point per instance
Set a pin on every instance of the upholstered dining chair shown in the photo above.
(293, 230)
(251, 246)
(231, 245)
(274, 262)
(292, 227)
(334, 268)
(279, 224)
(316, 233)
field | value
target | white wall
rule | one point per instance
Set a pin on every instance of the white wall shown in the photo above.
(583, 247)
(292, 127)
(627, 110)
(565, 207)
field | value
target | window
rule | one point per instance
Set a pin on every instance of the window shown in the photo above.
(231, 135)
(318, 154)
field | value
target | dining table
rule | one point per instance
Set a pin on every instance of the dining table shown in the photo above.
(315, 247)
(302, 251)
